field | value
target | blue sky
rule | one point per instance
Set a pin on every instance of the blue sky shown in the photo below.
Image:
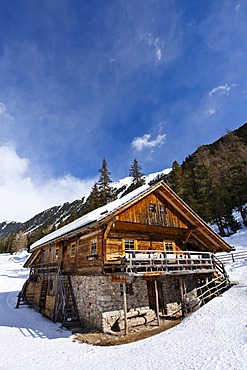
(121, 79)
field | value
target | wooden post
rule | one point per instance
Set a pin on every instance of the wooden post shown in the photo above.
(157, 301)
(182, 295)
(125, 309)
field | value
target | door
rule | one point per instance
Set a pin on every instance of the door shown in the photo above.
(151, 295)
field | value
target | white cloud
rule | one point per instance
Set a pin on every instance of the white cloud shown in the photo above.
(140, 143)
(21, 197)
(222, 90)
(211, 111)
(5, 116)
(214, 102)
(154, 42)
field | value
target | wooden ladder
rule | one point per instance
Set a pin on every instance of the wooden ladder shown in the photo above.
(66, 308)
(43, 293)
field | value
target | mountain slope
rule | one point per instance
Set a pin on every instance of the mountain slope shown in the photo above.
(16, 235)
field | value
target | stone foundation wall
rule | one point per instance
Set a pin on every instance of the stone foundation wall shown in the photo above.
(98, 294)
(172, 294)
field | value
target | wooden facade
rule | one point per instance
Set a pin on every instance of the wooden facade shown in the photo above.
(146, 242)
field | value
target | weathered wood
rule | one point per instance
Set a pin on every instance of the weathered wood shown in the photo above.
(181, 288)
(125, 309)
(157, 302)
(151, 224)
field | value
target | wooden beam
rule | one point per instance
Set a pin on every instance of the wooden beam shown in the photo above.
(149, 228)
(182, 294)
(106, 233)
(157, 302)
(125, 309)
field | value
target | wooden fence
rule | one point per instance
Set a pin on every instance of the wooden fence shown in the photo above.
(232, 256)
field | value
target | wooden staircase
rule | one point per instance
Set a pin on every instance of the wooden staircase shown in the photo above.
(214, 286)
(66, 308)
(24, 297)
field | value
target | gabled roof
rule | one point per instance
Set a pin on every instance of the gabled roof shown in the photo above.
(93, 216)
(102, 214)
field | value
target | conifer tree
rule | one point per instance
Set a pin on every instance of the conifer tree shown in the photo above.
(93, 200)
(176, 179)
(105, 190)
(136, 174)
(137, 177)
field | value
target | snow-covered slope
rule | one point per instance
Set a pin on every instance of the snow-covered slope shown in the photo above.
(47, 219)
(213, 338)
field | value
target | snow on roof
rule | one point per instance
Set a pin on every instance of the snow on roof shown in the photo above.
(93, 216)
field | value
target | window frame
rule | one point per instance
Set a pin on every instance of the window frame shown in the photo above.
(93, 248)
(131, 244)
(168, 245)
(72, 249)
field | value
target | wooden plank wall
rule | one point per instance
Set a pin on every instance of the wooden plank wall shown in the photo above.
(139, 213)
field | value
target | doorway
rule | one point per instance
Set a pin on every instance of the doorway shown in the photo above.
(151, 295)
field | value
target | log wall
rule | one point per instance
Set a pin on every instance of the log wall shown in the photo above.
(162, 214)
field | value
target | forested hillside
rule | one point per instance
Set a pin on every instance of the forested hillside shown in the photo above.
(213, 180)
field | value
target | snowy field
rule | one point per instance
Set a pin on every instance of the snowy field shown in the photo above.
(213, 338)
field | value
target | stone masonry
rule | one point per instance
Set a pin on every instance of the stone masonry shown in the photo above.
(96, 295)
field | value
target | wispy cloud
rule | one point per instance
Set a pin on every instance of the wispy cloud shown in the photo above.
(21, 196)
(6, 122)
(214, 100)
(155, 43)
(140, 143)
(222, 90)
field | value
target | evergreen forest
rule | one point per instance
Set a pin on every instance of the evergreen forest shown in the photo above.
(213, 181)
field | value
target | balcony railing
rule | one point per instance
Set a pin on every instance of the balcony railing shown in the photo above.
(141, 262)
(44, 268)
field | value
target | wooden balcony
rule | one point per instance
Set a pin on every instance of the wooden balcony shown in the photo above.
(157, 262)
(44, 268)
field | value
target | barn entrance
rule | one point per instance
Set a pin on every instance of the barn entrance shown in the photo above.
(152, 296)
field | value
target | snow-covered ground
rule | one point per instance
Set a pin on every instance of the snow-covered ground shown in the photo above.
(213, 338)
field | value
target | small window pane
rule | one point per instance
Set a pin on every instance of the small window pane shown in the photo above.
(72, 250)
(56, 253)
(129, 244)
(152, 208)
(162, 210)
(94, 248)
(168, 246)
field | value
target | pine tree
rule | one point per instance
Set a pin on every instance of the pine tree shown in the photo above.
(93, 200)
(175, 179)
(136, 174)
(105, 190)
(137, 177)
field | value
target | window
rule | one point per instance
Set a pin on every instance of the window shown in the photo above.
(50, 288)
(72, 250)
(152, 213)
(162, 210)
(56, 253)
(94, 248)
(152, 208)
(168, 246)
(129, 244)
(162, 215)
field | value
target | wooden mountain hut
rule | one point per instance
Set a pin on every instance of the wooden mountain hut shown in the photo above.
(136, 258)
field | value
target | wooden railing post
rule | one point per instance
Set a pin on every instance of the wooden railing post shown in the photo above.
(125, 309)
(157, 302)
